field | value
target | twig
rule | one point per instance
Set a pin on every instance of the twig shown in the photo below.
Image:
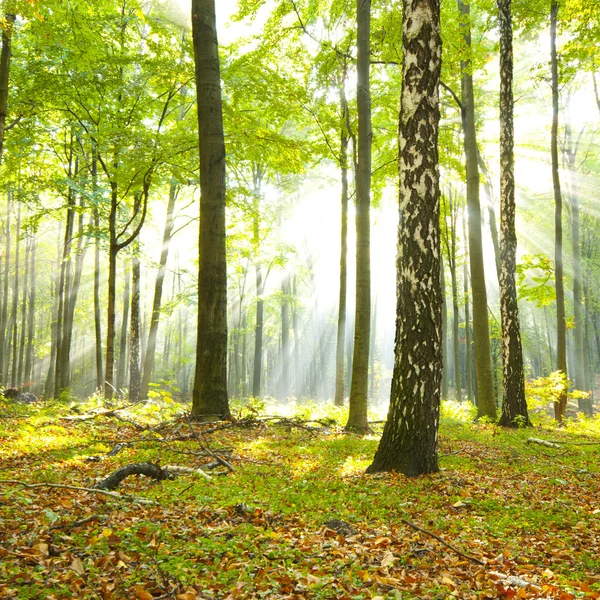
(77, 488)
(439, 539)
(206, 447)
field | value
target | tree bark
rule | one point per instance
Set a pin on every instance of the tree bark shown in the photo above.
(409, 441)
(15, 305)
(20, 378)
(561, 327)
(29, 359)
(4, 318)
(5, 56)
(468, 338)
(210, 382)
(514, 406)
(445, 370)
(486, 403)
(357, 417)
(134, 335)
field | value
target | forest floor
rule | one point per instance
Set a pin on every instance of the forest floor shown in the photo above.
(295, 516)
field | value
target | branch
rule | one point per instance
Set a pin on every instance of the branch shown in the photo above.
(439, 539)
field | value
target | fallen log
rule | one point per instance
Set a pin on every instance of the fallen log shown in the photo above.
(147, 469)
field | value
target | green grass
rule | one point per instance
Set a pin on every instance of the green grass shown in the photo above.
(524, 510)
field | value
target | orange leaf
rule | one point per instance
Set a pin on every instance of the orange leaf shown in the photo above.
(142, 594)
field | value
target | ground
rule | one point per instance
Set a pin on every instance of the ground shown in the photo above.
(297, 517)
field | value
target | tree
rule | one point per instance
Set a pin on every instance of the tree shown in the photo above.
(409, 441)
(357, 417)
(210, 383)
(514, 406)
(561, 324)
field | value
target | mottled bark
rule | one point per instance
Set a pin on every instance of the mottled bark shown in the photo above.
(357, 417)
(561, 327)
(514, 406)
(210, 383)
(486, 402)
(409, 441)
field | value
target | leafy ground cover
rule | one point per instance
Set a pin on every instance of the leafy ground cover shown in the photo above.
(296, 517)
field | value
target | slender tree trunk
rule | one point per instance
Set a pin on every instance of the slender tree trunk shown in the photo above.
(341, 324)
(15, 304)
(49, 386)
(298, 375)
(486, 403)
(409, 441)
(514, 407)
(97, 311)
(210, 384)
(158, 290)
(121, 365)
(357, 417)
(134, 335)
(285, 337)
(31, 315)
(561, 343)
(3, 321)
(20, 375)
(373, 351)
(113, 250)
(468, 338)
(258, 329)
(445, 370)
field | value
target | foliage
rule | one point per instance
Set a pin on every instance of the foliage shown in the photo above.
(545, 390)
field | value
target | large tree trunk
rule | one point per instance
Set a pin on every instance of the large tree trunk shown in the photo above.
(514, 407)
(134, 335)
(210, 383)
(486, 403)
(561, 327)
(357, 417)
(158, 290)
(409, 441)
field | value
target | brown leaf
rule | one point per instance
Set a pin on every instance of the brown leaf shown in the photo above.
(77, 566)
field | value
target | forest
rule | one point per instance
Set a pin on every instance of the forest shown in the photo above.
(299, 299)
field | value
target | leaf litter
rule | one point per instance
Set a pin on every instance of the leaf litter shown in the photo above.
(296, 518)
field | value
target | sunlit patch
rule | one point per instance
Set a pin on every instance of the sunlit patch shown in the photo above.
(354, 466)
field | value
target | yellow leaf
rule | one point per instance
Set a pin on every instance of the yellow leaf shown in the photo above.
(142, 594)
(106, 533)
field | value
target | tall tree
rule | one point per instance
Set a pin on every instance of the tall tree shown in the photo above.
(486, 403)
(561, 325)
(514, 407)
(134, 332)
(210, 383)
(409, 441)
(357, 417)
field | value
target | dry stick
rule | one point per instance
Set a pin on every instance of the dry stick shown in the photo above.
(542, 443)
(206, 447)
(439, 539)
(77, 488)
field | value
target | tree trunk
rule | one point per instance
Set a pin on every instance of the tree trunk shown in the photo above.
(298, 374)
(409, 441)
(467, 295)
(134, 335)
(15, 305)
(486, 403)
(561, 341)
(31, 315)
(4, 318)
(5, 56)
(20, 378)
(514, 407)
(121, 365)
(210, 383)
(158, 290)
(341, 324)
(445, 370)
(357, 417)
(285, 337)
(49, 385)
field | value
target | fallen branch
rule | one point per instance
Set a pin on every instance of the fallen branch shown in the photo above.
(206, 447)
(79, 489)
(178, 469)
(542, 442)
(439, 539)
(148, 469)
